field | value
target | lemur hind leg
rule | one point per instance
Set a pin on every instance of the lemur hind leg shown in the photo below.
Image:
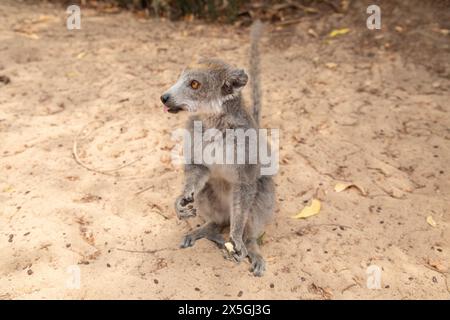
(260, 214)
(258, 264)
(210, 230)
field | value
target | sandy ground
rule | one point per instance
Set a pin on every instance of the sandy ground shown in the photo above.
(372, 118)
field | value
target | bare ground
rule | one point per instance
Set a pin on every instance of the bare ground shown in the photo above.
(366, 116)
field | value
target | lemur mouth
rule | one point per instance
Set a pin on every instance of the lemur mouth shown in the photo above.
(172, 109)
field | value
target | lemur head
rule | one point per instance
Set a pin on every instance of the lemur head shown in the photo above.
(204, 87)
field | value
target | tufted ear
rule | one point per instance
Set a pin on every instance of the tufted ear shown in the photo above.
(236, 79)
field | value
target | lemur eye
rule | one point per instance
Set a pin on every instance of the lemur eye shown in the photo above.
(195, 84)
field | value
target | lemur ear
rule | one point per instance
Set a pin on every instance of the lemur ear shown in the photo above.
(235, 81)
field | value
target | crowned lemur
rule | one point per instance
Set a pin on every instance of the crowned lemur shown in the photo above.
(234, 195)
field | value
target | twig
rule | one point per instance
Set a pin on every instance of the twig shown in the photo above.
(143, 190)
(443, 273)
(288, 22)
(145, 251)
(101, 171)
(329, 225)
(333, 6)
(348, 287)
(158, 210)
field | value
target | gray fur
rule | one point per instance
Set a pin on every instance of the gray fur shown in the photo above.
(255, 34)
(225, 194)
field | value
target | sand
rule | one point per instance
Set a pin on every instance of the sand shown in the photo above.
(371, 118)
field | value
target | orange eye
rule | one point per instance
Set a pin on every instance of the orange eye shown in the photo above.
(195, 84)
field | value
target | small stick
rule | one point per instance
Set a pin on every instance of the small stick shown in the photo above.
(443, 273)
(101, 171)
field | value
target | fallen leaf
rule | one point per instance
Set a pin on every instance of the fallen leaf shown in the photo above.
(44, 18)
(89, 198)
(339, 187)
(331, 65)
(312, 33)
(260, 239)
(326, 293)
(71, 74)
(339, 32)
(437, 265)
(111, 10)
(345, 4)
(431, 221)
(8, 189)
(309, 211)
(28, 34)
(444, 32)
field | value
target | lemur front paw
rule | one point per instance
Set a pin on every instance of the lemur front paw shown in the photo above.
(184, 206)
(239, 250)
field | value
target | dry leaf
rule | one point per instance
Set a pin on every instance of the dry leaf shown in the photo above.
(339, 187)
(326, 293)
(44, 18)
(431, 221)
(437, 265)
(27, 34)
(309, 211)
(312, 33)
(331, 65)
(8, 189)
(338, 32)
(260, 239)
(89, 198)
(71, 74)
(345, 4)
(444, 32)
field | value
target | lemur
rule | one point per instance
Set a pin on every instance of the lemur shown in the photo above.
(234, 195)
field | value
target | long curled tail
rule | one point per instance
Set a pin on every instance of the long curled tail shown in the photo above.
(255, 35)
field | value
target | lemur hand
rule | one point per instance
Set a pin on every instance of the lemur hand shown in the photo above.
(184, 206)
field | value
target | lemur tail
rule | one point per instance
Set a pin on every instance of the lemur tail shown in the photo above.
(255, 35)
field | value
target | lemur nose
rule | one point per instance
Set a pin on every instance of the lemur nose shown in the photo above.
(165, 97)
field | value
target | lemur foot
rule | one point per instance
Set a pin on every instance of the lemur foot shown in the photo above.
(258, 265)
(209, 231)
